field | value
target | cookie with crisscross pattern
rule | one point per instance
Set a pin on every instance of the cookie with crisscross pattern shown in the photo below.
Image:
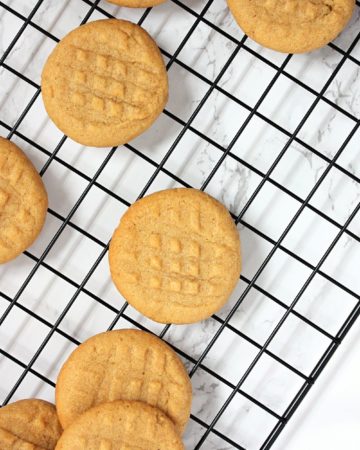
(29, 425)
(292, 26)
(121, 425)
(124, 365)
(105, 83)
(23, 201)
(175, 256)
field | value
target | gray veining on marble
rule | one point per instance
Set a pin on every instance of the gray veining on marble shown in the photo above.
(193, 160)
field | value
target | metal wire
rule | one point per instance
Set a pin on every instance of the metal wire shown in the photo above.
(159, 167)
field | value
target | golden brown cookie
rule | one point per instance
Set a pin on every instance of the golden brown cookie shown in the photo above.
(123, 365)
(29, 425)
(105, 83)
(23, 201)
(121, 425)
(292, 26)
(175, 256)
(137, 3)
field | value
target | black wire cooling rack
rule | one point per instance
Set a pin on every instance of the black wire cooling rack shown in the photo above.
(206, 431)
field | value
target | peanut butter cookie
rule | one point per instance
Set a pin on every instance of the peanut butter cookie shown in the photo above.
(29, 425)
(121, 425)
(292, 26)
(105, 83)
(124, 365)
(23, 201)
(175, 256)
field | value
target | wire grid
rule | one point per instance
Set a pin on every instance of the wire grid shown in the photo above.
(206, 433)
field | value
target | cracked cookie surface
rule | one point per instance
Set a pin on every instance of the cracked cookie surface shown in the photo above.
(292, 26)
(23, 201)
(105, 83)
(175, 256)
(29, 425)
(124, 365)
(121, 425)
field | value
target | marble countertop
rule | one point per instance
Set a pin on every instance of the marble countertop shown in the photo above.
(329, 417)
(244, 166)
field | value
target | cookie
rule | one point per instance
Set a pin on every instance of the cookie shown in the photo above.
(23, 201)
(105, 83)
(123, 365)
(29, 425)
(175, 256)
(121, 425)
(137, 3)
(292, 26)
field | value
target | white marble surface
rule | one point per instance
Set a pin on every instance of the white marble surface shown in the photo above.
(193, 160)
(329, 416)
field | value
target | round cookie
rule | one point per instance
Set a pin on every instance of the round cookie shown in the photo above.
(121, 425)
(175, 256)
(124, 365)
(105, 83)
(137, 3)
(29, 424)
(292, 26)
(23, 201)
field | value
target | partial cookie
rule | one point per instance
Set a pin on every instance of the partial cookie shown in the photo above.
(175, 256)
(29, 425)
(105, 83)
(137, 3)
(23, 201)
(123, 365)
(292, 26)
(121, 425)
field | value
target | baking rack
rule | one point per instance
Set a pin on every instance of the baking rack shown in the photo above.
(205, 430)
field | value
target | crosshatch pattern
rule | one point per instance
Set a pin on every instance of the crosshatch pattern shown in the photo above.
(274, 137)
